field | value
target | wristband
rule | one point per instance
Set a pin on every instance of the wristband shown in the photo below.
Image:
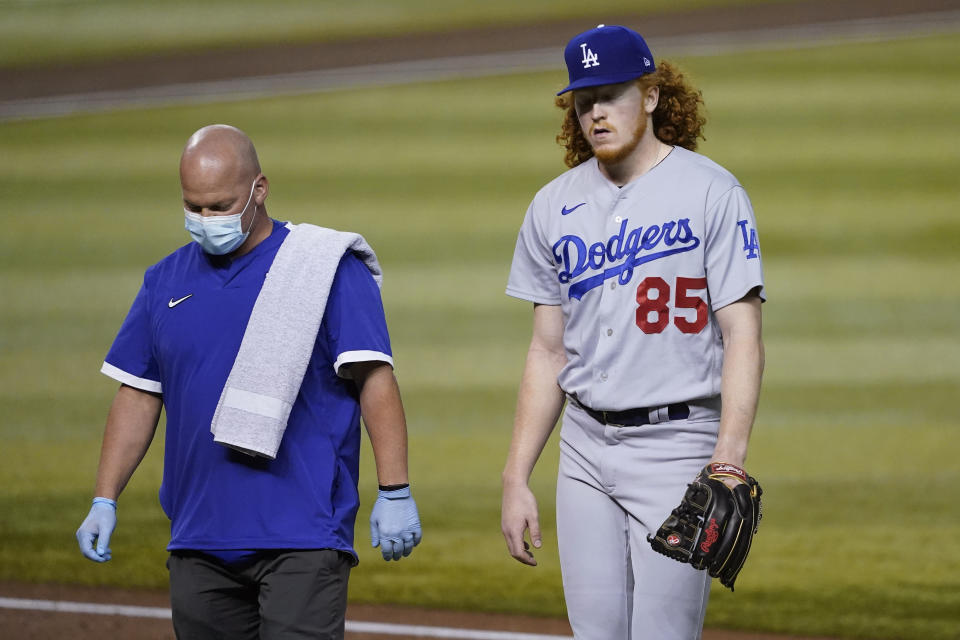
(393, 487)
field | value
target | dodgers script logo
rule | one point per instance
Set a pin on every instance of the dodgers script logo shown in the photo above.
(575, 257)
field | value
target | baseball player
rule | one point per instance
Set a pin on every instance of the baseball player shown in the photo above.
(643, 267)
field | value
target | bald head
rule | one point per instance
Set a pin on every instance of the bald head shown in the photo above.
(219, 156)
(220, 176)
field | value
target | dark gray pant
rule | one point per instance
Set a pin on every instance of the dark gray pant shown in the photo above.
(282, 594)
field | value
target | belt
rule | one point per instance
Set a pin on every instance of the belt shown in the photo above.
(638, 417)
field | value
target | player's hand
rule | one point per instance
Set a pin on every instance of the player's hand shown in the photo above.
(518, 513)
(97, 528)
(395, 524)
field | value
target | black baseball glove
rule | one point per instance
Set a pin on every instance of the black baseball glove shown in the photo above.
(714, 525)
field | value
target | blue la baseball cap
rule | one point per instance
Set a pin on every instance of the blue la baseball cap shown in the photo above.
(606, 55)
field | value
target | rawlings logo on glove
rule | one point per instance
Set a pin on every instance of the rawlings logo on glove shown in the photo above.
(712, 534)
(714, 525)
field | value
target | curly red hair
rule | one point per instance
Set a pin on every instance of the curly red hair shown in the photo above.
(678, 118)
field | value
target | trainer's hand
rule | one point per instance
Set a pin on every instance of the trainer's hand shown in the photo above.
(395, 524)
(518, 513)
(98, 526)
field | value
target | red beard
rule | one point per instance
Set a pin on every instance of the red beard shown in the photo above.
(618, 154)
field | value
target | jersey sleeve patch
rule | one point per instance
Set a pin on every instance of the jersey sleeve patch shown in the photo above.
(732, 252)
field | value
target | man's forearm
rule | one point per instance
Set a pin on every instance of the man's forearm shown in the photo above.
(382, 411)
(743, 361)
(540, 399)
(539, 404)
(130, 427)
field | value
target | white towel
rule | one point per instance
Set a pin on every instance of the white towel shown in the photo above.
(278, 342)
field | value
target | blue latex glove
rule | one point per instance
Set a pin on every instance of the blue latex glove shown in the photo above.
(395, 523)
(98, 526)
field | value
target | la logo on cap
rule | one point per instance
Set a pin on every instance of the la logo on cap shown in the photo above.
(589, 57)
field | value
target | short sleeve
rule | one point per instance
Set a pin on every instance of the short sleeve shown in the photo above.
(130, 359)
(533, 274)
(732, 251)
(353, 322)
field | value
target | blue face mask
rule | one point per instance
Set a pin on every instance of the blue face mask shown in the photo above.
(219, 235)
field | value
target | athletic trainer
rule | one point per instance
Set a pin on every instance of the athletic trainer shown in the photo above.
(264, 342)
(643, 266)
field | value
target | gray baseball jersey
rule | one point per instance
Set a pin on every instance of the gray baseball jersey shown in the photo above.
(638, 272)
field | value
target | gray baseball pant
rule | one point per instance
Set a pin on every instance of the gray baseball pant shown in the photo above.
(615, 486)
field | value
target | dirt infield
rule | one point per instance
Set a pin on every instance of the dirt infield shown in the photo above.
(42, 625)
(201, 66)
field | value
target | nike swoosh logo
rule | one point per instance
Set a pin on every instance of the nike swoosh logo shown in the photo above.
(174, 303)
(564, 211)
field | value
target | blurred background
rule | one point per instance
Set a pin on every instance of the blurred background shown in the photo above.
(427, 127)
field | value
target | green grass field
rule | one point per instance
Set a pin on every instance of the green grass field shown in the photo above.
(69, 31)
(851, 166)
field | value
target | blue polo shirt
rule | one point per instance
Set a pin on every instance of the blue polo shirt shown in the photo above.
(180, 339)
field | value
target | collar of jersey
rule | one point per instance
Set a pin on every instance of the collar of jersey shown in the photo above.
(638, 180)
(229, 267)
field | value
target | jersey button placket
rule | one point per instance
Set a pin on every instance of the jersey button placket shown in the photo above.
(607, 303)
(610, 308)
